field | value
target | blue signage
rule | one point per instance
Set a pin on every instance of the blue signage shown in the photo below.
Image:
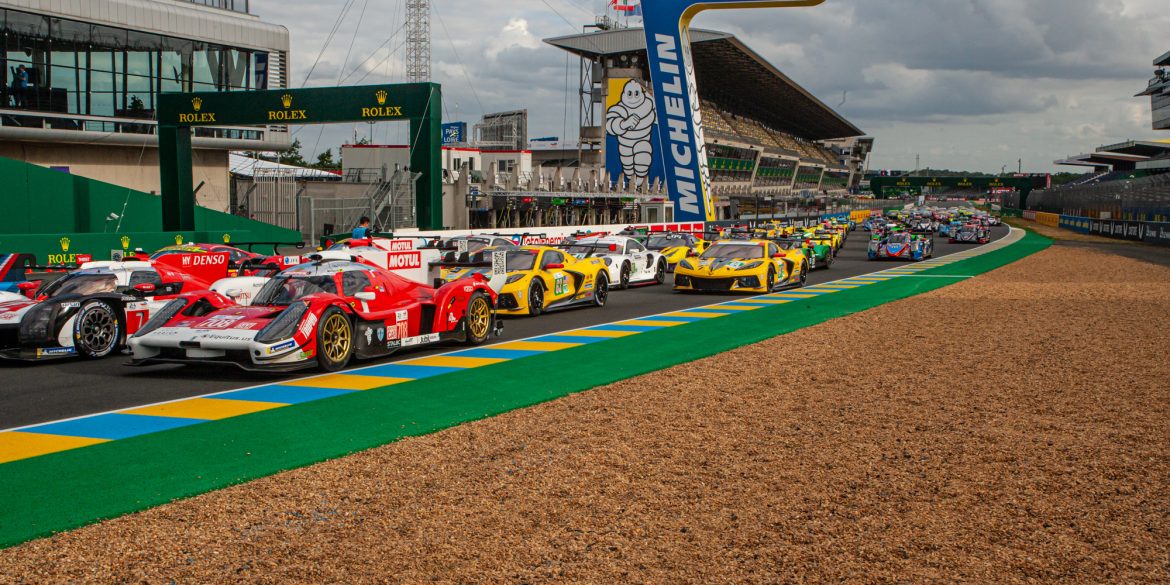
(676, 98)
(454, 132)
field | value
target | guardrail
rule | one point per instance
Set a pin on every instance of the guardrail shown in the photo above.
(1150, 232)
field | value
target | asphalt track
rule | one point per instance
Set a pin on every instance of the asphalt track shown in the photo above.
(37, 393)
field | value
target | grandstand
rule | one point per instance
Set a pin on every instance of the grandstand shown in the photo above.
(764, 132)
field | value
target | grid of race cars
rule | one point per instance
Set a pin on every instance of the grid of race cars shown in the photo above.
(368, 298)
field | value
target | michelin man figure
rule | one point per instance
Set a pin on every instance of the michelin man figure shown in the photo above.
(631, 121)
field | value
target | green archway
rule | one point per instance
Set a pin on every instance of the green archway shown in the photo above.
(420, 103)
(880, 184)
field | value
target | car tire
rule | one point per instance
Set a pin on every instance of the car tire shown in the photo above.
(601, 290)
(624, 276)
(478, 319)
(804, 275)
(535, 298)
(97, 331)
(771, 282)
(828, 261)
(334, 340)
(660, 272)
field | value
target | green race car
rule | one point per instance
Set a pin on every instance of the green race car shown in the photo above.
(818, 253)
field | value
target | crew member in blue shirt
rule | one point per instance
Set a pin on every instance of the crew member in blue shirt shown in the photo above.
(362, 231)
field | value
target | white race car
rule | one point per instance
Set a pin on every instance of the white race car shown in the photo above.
(628, 260)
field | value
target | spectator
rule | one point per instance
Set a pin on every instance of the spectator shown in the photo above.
(20, 87)
(362, 231)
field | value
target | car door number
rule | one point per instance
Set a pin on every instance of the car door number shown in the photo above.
(560, 283)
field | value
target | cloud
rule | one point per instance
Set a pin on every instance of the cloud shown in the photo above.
(960, 82)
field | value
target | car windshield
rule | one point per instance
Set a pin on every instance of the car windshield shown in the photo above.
(81, 283)
(735, 251)
(520, 260)
(283, 290)
(583, 250)
(789, 244)
(664, 242)
(899, 238)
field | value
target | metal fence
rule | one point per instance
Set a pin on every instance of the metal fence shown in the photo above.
(273, 198)
(324, 216)
(1147, 198)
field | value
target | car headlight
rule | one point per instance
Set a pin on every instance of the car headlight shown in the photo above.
(163, 315)
(514, 278)
(686, 264)
(608, 260)
(35, 324)
(751, 265)
(283, 326)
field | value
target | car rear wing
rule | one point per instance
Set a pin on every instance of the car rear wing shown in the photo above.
(498, 262)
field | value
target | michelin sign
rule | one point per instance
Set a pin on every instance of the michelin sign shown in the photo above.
(676, 105)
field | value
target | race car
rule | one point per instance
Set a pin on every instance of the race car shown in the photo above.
(970, 234)
(675, 246)
(818, 254)
(742, 266)
(91, 311)
(542, 279)
(623, 255)
(14, 274)
(824, 237)
(321, 313)
(948, 228)
(901, 246)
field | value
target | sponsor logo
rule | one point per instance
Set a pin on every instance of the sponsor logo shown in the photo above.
(224, 337)
(421, 340)
(403, 260)
(65, 244)
(246, 325)
(381, 334)
(393, 344)
(400, 315)
(306, 328)
(53, 351)
(72, 305)
(196, 104)
(286, 114)
(401, 245)
(369, 336)
(204, 260)
(282, 347)
(468, 289)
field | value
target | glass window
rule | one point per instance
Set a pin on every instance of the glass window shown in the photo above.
(353, 282)
(552, 257)
(145, 277)
(634, 246)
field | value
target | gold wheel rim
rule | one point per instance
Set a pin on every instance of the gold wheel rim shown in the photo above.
(478, 317)
(335, 337)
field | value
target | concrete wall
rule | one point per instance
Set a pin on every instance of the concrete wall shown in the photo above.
(132, 167)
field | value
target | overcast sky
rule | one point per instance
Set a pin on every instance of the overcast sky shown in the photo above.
(966, 84)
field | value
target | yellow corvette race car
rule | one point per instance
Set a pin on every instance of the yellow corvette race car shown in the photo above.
(545, 279)
(742, 266)
(676, 246)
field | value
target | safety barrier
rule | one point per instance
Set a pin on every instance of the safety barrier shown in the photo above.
(1150, 232)
(1048, 219)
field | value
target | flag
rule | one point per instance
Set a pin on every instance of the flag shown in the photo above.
(624, 5)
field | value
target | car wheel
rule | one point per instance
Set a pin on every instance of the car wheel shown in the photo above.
(535, 298)
(479, 318)
(601, 290)
(334, 340)
(96, 330)
(828, 261)
(624, 276)
(771, 279)
(660, 273)
(803, 274)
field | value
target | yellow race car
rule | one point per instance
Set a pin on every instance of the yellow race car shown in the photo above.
(676, 246)
(545, 279)
(825, 237)
(742, 266)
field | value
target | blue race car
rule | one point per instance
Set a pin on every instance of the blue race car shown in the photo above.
(901, 246)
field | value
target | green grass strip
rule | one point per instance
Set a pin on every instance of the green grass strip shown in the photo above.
(69, 489)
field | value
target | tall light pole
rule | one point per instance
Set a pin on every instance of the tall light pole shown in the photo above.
(418, 41)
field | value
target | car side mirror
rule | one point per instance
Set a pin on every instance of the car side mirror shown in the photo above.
(144, 288)
(365, 295)
(777, 255)
(554, 267)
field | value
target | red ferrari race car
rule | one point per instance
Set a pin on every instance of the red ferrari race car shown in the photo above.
(91, 311)
(321, 313)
